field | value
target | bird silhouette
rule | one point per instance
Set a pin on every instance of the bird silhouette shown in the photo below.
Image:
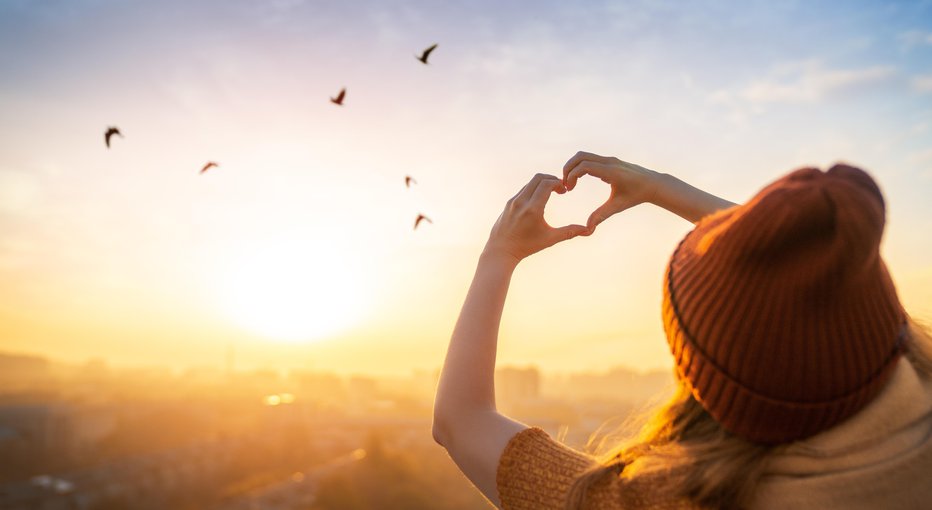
(423, 57)
(208, 166)
(339, 99)
(109, 134)
(421, 217)
(409, 180)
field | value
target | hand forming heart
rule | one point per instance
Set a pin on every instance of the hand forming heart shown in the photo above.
(631, 184)
(521, 229)
(574, 207)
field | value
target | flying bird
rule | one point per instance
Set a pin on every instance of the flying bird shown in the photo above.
(109, 134)
(339, 99)
(208, 166)
(409, 180)
(421, 217)
(423, 57)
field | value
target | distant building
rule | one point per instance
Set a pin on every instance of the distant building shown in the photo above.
(18, 371)
(320, 387)
(618, 384)
(363, 390)
(513, 385)
(43, 428)
(7, 434)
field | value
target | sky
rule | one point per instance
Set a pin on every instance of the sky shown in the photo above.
(298, 250)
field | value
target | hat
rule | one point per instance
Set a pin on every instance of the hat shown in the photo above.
(780, 313)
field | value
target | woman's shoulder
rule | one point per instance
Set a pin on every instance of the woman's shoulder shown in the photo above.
(537, 472)
(533, 449)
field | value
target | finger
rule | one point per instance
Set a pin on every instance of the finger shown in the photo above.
(528, 190)
(581, 156)
(604, 212)
(585, 167)
(568, 232)
(584, 156)
(518, 194)
(524, 194)
(542, 193)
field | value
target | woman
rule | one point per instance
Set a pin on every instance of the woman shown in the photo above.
(802, 382)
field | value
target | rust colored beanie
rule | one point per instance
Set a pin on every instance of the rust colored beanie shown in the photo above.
(780, 313)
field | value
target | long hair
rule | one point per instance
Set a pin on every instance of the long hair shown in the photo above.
(701, 461)
(919, 346)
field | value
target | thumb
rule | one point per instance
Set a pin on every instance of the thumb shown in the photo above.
(606, 211)
(599, 215)
(568, 232)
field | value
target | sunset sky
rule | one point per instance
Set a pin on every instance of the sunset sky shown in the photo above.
(298, 251)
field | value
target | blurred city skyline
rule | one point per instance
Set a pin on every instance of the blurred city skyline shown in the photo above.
(297, 252)
(95, 437)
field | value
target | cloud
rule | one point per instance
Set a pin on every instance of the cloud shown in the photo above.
(796, 82)
(913, 38)
(809, 81)
(922, 83)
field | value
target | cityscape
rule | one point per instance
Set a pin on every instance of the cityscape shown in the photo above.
(96, 437)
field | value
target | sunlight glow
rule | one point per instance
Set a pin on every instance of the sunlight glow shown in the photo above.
(293, 291)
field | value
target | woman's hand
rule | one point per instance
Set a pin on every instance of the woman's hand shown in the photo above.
(631, 184)
(521, 229)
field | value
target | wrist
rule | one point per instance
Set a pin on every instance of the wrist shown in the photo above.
(498, 256)
(660, 184)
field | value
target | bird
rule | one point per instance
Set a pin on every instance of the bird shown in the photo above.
(208, 166)
(421, 217)
(339, 99)
(409, 180)
(423, 57)
(110, 132)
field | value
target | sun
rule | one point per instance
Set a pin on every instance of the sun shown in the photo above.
(294, 291)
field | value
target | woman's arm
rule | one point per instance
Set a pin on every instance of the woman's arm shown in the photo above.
(684, 200)
(466, 421)
(633, 184)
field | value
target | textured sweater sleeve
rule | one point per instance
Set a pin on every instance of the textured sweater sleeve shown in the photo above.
(537, 472)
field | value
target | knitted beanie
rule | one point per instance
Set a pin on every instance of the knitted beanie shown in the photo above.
(780, 313)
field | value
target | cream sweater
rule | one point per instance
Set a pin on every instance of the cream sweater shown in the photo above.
(881, 458)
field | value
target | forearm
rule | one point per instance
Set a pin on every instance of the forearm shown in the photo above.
(467, 380)
(466, 422)
(684, 200)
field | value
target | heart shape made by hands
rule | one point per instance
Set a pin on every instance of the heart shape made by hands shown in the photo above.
(575, 206)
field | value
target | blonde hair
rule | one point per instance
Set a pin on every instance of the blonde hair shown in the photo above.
(701, 461)
(919, 345)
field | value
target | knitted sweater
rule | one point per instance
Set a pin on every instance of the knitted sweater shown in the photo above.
(880, 458)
